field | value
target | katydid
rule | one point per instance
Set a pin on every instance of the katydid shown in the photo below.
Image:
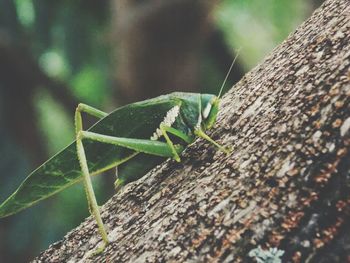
(134, 138)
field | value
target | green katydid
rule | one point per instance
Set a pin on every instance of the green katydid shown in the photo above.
(134, 138)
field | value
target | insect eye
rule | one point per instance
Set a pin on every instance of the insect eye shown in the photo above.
(206, 111)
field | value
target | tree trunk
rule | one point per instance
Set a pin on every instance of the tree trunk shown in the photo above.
(286, 184)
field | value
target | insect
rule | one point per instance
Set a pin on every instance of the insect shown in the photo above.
(134, 138)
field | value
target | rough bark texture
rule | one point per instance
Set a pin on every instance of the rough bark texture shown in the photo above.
(286, 184)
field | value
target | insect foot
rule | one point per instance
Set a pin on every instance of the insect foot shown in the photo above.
(118, 184)
(98, 250)
(202, 134)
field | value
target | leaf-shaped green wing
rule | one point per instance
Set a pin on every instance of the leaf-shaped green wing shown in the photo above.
(137, 120)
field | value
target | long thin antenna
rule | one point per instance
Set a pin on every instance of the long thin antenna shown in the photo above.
(229, 71)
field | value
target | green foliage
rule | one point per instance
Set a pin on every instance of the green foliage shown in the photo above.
(54, 64)
(258, 26)
(56, 126)
(85, 85)
(25, 11)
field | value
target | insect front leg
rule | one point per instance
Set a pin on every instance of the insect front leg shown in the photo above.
(90, 194)
(203, 135)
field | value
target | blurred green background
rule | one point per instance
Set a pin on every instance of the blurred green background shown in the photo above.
(54, 54)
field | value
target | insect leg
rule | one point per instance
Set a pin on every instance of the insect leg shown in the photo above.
(91, 110)
(139, 145)
(202, 134)
(188, 139)
(165, 129)
(92, 203)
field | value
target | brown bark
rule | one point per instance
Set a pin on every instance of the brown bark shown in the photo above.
(286, 183)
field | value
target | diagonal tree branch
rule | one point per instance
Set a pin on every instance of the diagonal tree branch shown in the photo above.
(285, 185)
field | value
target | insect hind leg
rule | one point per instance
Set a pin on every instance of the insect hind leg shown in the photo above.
(91, 110)
(92, 203)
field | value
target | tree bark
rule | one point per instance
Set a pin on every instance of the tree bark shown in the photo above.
(286, 184)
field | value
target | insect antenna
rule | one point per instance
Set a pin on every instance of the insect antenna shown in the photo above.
(229, 71)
